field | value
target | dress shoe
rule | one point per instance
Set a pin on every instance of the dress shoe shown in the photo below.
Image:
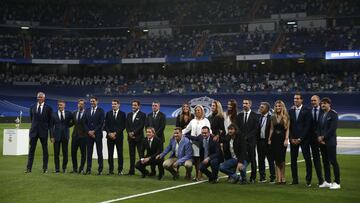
(294, 183)
(27, 171)
(120, 173)
(45, 171)
(99, 173)
(88, 172)
(110, 173)
(160, 177)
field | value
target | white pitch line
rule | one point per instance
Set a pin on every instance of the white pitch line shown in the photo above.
(171, 188)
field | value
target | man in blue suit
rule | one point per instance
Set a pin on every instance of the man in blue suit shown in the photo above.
(40, 116)
(94, 120)
(209, 154)
(60, 130)
(327, 136)
(300, 123)
(181, 154)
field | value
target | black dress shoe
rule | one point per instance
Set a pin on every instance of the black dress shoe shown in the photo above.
(110, 173)
(294, 183)
(64, 170)
(88, 172)
(143, 175)
(56, 171)
(130, 173)
(74, 171)
(160, 176)
(27, 171)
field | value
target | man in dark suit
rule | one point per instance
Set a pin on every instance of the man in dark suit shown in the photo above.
(152, 145)
(135, 123)
(327, 136)
(234, 147)
(60, 128)
(316, 113)
(209, 154)
(300, 123)
(115, 121)
(263, 149)
(79, 138)
(157, 120)
(40, 116)
(94, 120)
(248, 123)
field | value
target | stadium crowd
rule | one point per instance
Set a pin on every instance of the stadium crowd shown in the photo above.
(225, 83)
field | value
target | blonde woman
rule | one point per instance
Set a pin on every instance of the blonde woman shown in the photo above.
(195, 127)
(279, 138)
(217, 121)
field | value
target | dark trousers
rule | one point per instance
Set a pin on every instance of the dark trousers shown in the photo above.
(33, 142)
(133, 145)
(118, 142)
(76, 143)
(263, 151)
(294, 152)
(331, 152)
(153, 162)
(326, 163)
(252, 160)
(214, 165)
(153, 166)
(315, 151)
(63, 144)
(90, 146)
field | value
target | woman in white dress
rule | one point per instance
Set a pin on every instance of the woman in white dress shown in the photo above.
(195, 127)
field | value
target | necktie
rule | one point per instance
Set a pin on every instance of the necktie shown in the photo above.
(114, 115)
(245, 119)
(154, 115)
(297, 113)
(149, 140)
(79, 116)
(62, 115)
(93, 111)
(39, 109)
(315, 116)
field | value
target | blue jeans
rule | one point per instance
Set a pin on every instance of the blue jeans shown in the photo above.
(229, 167)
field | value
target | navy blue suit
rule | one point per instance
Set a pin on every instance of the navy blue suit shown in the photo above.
(327, 128)
(213, 153)
(300, 128)
(60, 130)
(40, 129)
(94, 122)
(116, 125)
(316, 148)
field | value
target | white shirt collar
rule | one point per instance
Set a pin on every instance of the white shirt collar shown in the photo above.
(266, 115)
(248, 112)
(298, 108)
(136, 111)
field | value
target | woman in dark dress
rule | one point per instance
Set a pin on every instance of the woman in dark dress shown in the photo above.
(217, 120)
(279, 138)
(185, 116)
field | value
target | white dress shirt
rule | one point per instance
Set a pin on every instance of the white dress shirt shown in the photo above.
(134, 115)
(263, 126)
(41, 107)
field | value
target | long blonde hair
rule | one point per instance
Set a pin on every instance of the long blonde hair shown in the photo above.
(219, 109)
(284, 114)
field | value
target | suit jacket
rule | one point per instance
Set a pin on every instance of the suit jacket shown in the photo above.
(184, 151)
(267, 127)
(250, 129)
(40, 122)
(158, 123)
(153, 151)
(213, 147)
(315, 124)
(58, 127)
(239, 145)
(95, 122)
(328, 126)
(300, 128)
(136, 126)
(79, 125)
(115, 125)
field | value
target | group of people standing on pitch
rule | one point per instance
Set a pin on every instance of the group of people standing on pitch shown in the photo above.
(225, 141)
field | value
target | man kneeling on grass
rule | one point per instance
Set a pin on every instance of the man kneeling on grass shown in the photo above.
(235, 155)
(153, 146)
(181, 153)
(209, 154)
